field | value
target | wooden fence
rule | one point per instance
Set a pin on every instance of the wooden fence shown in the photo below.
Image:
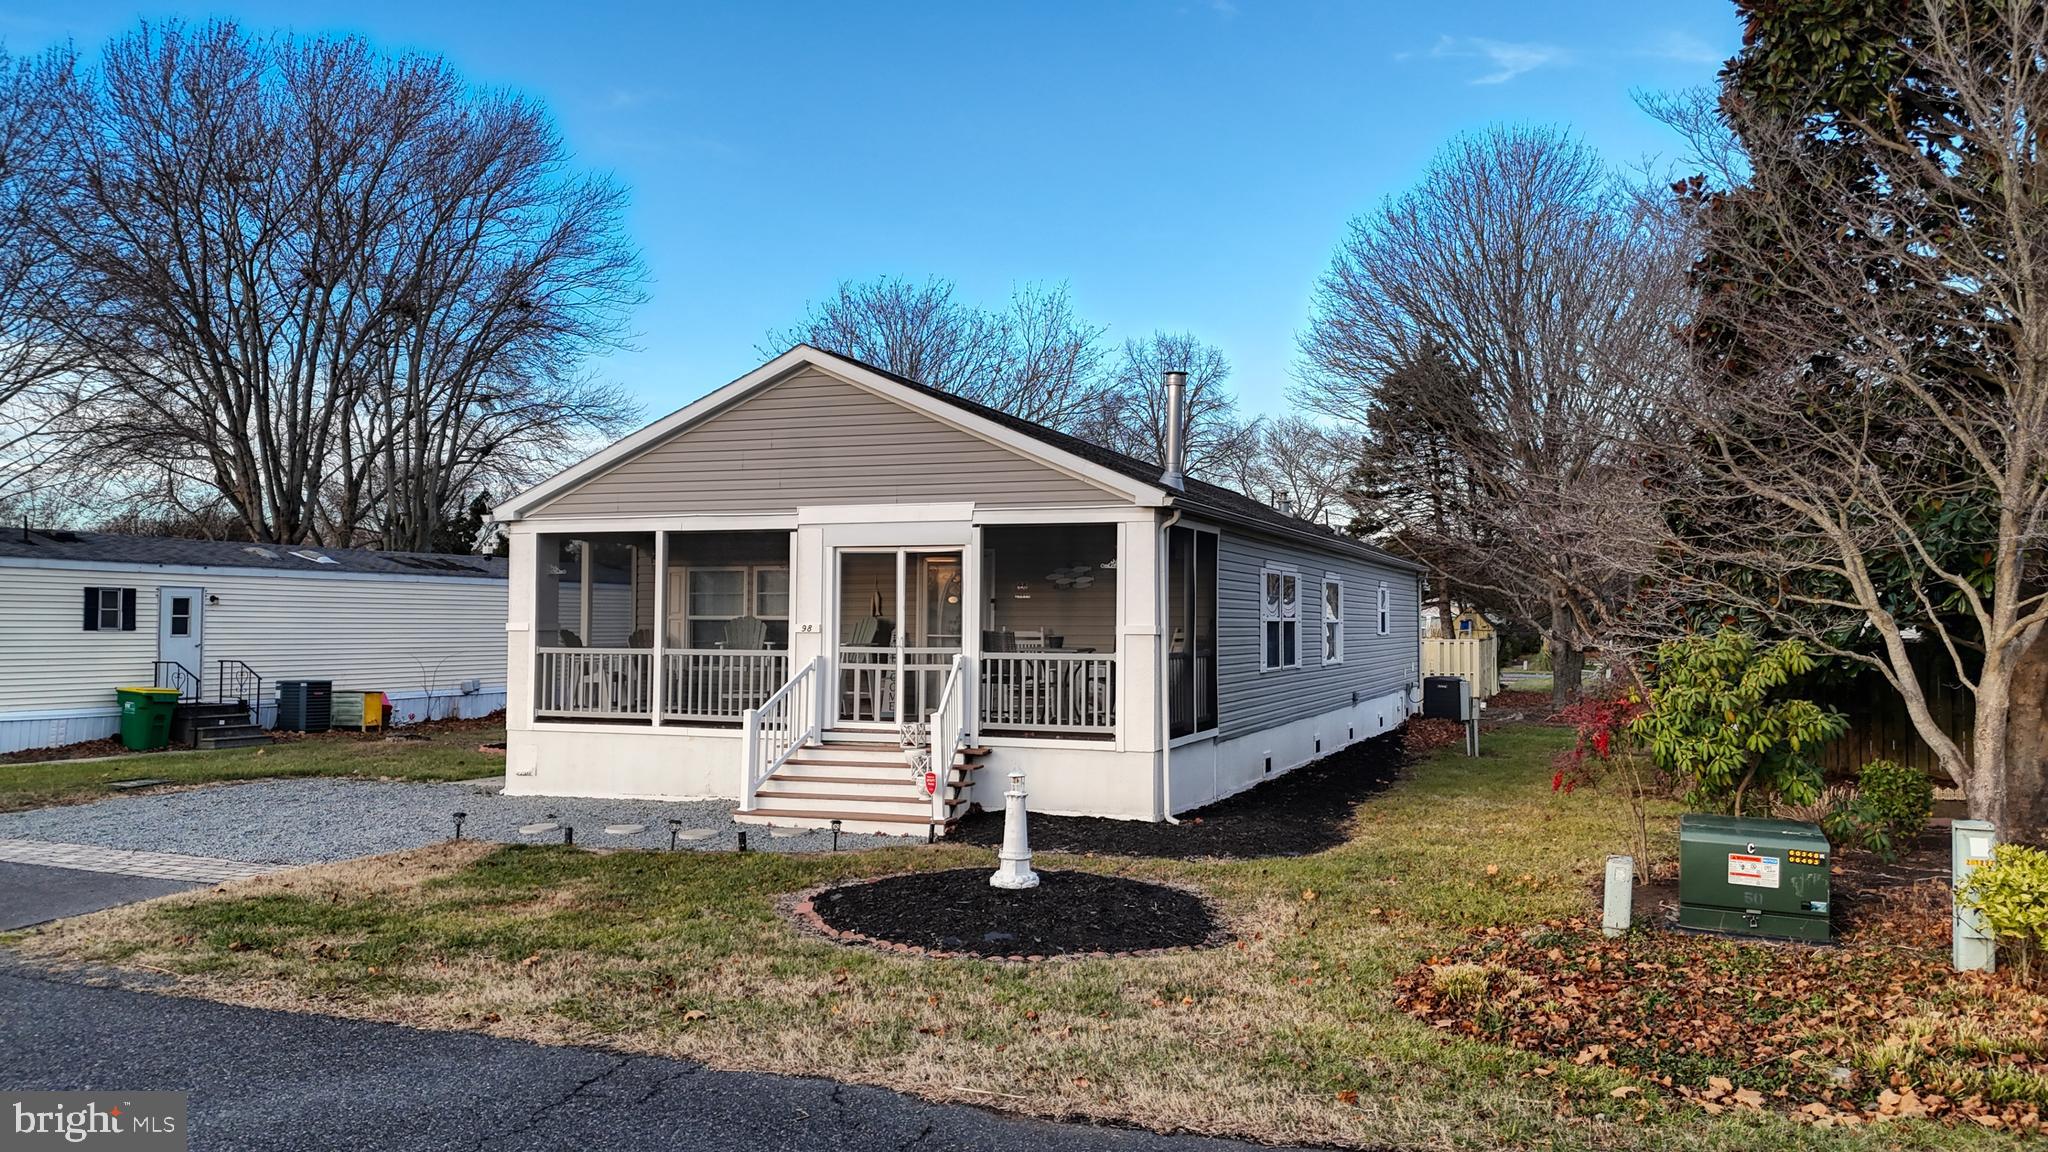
(1879, 726)
(1477, 660)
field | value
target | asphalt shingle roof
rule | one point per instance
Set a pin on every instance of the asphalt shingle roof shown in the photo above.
(112, 548)
(1197, 496)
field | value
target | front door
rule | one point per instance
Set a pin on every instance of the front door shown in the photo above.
(180, 629)
(900, 623)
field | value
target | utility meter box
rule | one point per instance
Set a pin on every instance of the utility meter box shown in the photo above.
(1447, 698)
(1753, 877)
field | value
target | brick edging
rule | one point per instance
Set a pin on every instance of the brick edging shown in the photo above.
(801, 909)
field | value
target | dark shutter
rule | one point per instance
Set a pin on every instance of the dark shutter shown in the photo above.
(92, 609)
(127, 609)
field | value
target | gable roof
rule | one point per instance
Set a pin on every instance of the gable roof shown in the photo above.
(160, 551)
(1128, 476)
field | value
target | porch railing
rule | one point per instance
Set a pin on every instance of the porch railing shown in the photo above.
(869, 690)
(718, 685)
(172, 674)
(951, 728)
(594, 682)
(1047, 691)
(785, 721)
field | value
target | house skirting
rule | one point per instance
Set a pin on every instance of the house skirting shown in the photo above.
(1205, 771)
(56, 727)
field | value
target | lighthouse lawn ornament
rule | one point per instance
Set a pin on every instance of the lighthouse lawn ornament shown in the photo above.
(1015, 871)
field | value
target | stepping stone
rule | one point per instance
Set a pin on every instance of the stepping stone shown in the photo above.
(696, 833)
(130, 785)
(537, 829)
(786, 833)
(624, 829)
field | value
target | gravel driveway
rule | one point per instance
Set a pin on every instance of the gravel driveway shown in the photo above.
(317, 820)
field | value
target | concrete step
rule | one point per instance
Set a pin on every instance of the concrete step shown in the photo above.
(232, 739)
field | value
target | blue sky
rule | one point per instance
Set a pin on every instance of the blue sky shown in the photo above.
(1181, 164)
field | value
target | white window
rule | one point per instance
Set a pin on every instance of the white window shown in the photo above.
(1280, 609)
(1333, 620)
(1386, 610)
(715, 597)
(103, 610)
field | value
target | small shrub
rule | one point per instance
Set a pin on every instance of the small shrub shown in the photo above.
(1892, 806)
(1829, 809)
(2011, 893)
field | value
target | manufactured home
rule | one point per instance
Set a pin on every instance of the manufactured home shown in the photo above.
(830, 562)
(82, 613)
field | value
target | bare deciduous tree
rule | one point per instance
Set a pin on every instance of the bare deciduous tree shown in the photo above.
(1035, 359)
(1870, 468)
(333, 290)
(1526, 265)
(1130, 412)
(38, 381)
(1291, 462)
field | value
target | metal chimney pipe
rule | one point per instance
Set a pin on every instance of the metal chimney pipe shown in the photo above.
(1176, 429)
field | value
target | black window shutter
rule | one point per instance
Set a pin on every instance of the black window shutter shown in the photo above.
(92, 609)
(127, 609)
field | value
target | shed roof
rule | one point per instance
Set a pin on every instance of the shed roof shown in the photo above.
(302, 559)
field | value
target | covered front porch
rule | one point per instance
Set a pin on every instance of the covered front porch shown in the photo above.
(1028, 612)
(723, 602)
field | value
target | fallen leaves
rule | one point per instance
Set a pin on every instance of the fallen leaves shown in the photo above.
(1736, 1027)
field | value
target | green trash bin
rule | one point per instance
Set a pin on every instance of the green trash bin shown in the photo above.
(146, 717)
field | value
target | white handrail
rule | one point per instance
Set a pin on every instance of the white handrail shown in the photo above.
(784, 722)
(952, 727)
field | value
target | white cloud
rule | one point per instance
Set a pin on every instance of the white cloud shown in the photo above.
(1506, 58)
(1683, 47)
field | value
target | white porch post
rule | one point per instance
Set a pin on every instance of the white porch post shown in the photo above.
(660, 625)
(530, 593)
(973, 603)
(1140, 663)
(901, 638)
(583, 589)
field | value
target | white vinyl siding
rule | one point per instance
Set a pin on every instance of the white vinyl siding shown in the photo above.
(364, 633)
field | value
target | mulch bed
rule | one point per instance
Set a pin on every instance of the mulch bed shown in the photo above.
(112, 746)
(1300, 813)
(1735, 1025)
(958, 913)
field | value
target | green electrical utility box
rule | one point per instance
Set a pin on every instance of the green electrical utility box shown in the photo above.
(1753, 877)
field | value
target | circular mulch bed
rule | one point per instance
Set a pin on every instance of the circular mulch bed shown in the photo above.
(958, 913)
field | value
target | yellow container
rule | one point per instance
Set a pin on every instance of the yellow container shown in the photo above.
(362, 711)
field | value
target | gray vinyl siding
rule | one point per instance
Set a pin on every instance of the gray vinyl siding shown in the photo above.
(815, 439)
(1249, 698)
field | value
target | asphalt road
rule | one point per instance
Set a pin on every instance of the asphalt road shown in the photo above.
(31, 893)
(277, 1080)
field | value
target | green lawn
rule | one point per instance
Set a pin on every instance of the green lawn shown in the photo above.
(444, 755)
(1289, 1034)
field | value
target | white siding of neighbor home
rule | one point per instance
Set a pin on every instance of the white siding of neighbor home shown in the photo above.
(816, 439)
(1250, 698)
(392, 634)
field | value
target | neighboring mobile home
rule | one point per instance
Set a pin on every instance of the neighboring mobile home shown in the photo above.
(84, 612)
(829, 552)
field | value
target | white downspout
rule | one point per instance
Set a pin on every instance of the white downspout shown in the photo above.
(1160, 639)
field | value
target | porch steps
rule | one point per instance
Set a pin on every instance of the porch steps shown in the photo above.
(215, 725)
(865, 785)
